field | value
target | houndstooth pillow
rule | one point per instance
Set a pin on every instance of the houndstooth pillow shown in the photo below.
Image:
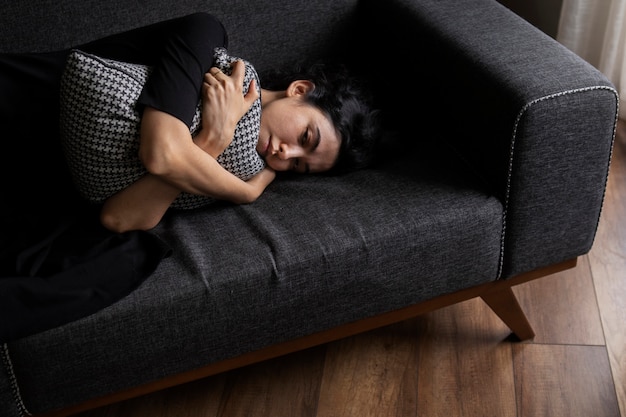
(100, 126)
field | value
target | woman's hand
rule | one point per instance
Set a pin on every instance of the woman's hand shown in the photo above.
(223, 105)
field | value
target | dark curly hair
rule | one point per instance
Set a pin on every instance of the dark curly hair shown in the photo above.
(345, 100)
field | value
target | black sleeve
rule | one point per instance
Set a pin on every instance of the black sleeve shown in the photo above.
(179, 50)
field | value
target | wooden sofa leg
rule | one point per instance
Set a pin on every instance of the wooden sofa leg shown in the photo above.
(504, 303)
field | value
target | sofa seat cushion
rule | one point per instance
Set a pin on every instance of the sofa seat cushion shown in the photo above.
(245, 277)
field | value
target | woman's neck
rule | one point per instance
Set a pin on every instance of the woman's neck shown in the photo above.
(267, 96)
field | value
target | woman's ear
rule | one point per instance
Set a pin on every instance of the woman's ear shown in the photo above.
(300, 88)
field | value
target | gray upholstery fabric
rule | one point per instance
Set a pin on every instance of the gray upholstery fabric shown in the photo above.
(515, 111)
(257, 31)
(567, 157)
(312, 253)
(9, 401)
(522, 188)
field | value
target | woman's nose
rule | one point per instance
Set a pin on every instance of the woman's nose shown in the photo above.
(288, 152)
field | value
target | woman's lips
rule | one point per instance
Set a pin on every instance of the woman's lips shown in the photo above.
(267, 148)
(261, 148)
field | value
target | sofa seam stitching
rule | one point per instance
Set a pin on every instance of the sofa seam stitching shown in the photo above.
(15, 389)
(520, 114)
(606, 177)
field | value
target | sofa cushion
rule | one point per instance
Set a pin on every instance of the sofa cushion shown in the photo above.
(311, 253)
(100, 126)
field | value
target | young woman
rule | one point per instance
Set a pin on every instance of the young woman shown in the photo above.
(312, 121)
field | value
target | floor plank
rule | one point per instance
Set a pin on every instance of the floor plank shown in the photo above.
(608, 266)
(562, 308)
(286, 387)
(563, 380)
(372, 374)
(465, 363)
(199, 398)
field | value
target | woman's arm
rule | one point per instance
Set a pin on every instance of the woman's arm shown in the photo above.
(176, 162)
(168, 151)
(174, 157)
(142, 205)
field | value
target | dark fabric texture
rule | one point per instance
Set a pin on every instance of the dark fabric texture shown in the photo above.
(565, 156)
(520, 115)
(265, 33)
(180, 51)
(301, 259)
(533, 119)
(68, 272)
(31, 162)
(8, 400)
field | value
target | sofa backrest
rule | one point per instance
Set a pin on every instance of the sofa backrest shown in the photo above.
(265, 32)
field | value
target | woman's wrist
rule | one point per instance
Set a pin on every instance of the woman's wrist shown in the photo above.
(212, 143)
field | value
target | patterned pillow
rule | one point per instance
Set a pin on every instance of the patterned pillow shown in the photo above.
(100, 126)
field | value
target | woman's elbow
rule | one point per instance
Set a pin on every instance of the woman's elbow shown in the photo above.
(118, 223)
(155, 162)
(113, 222)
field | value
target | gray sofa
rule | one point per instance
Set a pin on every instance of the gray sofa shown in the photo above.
(492, 172)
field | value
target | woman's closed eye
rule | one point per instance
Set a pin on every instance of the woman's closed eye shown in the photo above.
(304, 139)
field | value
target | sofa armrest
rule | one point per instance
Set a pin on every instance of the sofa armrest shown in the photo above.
(534, 120)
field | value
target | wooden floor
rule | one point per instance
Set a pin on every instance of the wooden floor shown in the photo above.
(454, 362)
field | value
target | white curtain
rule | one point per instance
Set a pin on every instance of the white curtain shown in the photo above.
(596, 31)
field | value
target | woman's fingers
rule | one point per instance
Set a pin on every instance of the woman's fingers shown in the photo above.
(239, 70)
(216, 74)
(224, 104)
(215, 77)
(252, 93)
(210, 77)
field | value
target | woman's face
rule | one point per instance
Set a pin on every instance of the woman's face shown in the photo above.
(296, 136)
